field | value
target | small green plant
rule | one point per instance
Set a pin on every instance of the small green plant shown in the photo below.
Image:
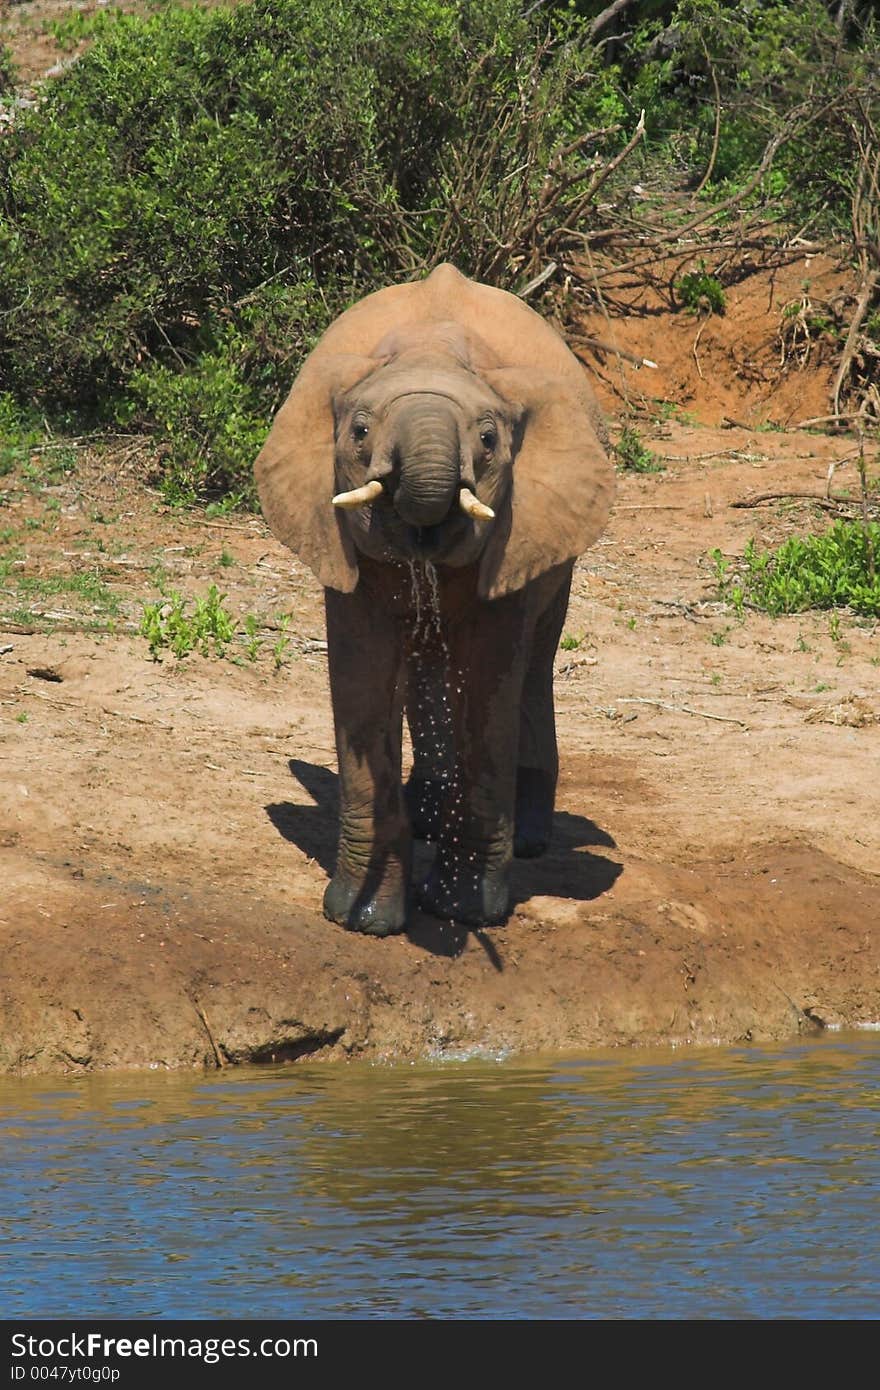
(253, 642)
(226, 558)
(570, 643)
(9, 561)
(21, 718)
(167, 625)
(719, 638)
(281, 646)
(701, 292)
(633, 455)
(839, 569)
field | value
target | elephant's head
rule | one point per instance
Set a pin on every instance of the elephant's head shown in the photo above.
(441, 421)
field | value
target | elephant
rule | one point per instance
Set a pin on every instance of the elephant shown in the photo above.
(439, 465)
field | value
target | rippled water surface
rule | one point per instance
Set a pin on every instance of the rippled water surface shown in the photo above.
(731, 1183)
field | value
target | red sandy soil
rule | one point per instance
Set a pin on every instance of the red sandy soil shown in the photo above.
(166, 829)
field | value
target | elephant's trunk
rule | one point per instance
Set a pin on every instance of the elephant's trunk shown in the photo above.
(428, 452)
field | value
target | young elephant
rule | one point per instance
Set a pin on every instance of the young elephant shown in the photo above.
(439, 464)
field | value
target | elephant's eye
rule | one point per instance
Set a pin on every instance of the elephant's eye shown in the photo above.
(488, 438)
(360, 430)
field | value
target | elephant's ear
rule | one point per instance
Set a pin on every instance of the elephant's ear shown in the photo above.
(563, 479)
(295, 469)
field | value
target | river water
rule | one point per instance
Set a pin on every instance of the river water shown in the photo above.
(736, 1183)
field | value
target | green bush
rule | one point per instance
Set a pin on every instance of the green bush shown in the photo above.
(840, 569)
(214, 411)
(633, 455)
(701, 292)
(192, 201)
(8, 71)
(179, 194)
(768, 60)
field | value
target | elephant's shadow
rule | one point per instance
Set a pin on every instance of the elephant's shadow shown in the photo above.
(567, 870)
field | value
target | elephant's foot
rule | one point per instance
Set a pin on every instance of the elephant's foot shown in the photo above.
(424, 802)
(477, 898)
(377, 913)
(533, 824)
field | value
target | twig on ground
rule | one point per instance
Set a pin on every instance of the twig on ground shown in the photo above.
(836, 419)
(218, 1055)
(570, 666)
(601, 346)
(696, 345)
(225, 526)
(681, 709)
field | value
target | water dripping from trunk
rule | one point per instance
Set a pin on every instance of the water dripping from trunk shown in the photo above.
(437, 685)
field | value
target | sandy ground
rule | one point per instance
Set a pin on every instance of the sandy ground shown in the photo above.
(167, 828)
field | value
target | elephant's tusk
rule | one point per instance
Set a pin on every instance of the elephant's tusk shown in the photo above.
(472, 506)
(360, 496)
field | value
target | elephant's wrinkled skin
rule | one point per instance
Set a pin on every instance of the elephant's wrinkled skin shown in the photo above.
(446, 580)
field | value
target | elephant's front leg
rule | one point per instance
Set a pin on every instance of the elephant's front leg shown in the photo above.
(369, 890)
(538, 760)
(469, 881)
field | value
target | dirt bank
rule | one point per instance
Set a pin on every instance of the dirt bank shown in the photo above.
(166, 828)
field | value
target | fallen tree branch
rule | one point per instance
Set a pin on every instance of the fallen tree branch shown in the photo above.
(606, 18)
(866, 294)
(828, 502)
(600, 346)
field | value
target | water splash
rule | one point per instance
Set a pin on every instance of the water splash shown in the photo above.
(437, 691)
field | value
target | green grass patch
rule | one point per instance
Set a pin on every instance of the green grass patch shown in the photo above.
(88, 586)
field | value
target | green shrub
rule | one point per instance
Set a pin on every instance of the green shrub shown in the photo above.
(840, 569)
(8, 70)
(20, 433)
(214, 412)
(77, 26)
(633, 456)
(701, 292)
(179, 194)
(170, 208)
(768, 59)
